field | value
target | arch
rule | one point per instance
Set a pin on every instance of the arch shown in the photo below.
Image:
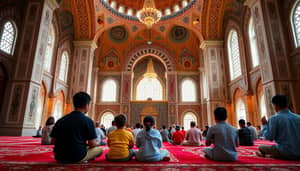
(253, 43)
(49, 49)
(153, 50)
(234, 54)
(188, 90)
(39, 117)
(106, 118)
(109, 90)
(189, 116)
(8, 37)
(261, 101)
(239, 106)
(240, 109)
(295, 22)
(64, 66)
(58, 110)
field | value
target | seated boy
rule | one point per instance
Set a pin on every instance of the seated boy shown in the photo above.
(193, 136)
(120, 142)
(177, 136)
(223, 136)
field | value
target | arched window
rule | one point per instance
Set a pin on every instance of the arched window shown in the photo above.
(109, 91)
(295, 21)
(106, 119)
(63, 69)
(58, 110)
(49, 50)
(262, 105)
(240, 110)
(234, 55)
(253, 44)
(187, 119)
(8, 38)
(188, 91)
(149, 88)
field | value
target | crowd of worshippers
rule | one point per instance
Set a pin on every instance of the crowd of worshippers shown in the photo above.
(77, 139)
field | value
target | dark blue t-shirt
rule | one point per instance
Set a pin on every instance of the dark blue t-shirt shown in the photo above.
(71, 133)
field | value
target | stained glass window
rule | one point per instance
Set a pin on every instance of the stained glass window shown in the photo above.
(8, 38)
(188, 91)
(234, 55)
(109, 91)
(295, 20)
(64, 63)
(49, 50)
(253, 44)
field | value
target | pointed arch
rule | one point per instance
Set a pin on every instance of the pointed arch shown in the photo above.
(8, 37)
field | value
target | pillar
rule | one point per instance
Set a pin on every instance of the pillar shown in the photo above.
(213, 53)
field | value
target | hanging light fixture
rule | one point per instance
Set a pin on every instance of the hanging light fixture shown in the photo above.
(149, 15)
(150, 73)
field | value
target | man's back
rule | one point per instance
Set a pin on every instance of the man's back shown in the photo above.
(71, 133)
(284, 129)
(224, 138)
(193, 136)
(245, 137)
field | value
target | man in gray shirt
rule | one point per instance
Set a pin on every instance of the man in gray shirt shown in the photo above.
(223, 136)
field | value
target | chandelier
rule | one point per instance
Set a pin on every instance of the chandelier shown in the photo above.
(149, 15)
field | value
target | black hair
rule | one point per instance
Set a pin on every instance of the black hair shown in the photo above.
(120, 120)
(249, 123)
(177, 127)
(164, 126)
(50, 121)
(281, 101)
(182, 128)
(97, 124)
(81, 99)
(220, 114)
(149, 122)
(193, 123)
(113, 122)
(138, 125)
(242, 122)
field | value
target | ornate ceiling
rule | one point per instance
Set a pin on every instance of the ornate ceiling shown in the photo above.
(159, 4)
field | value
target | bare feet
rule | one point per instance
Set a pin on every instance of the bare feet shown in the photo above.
(259, 154)
(166, 158)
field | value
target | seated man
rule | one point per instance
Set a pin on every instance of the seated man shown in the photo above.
(177, 136)
(283, 128)
(253, 131)
(71, 133)
(245, 136)
(164, 134)
(193, 136)
(223, 136)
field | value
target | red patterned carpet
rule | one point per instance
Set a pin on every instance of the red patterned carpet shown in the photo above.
(26, 154)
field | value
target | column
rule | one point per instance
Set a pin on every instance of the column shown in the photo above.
(21, 105)
(125, 95)
(172, 98)
(214, 72)
(275, 68)
(82, 68)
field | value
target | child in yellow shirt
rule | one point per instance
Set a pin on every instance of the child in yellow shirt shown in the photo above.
(120, 142)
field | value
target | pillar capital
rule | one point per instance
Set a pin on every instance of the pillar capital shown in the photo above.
(208, 43)
(249, 3)
(52, 4)
(87, 43)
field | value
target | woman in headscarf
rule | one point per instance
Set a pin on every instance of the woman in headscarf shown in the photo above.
(149, 142)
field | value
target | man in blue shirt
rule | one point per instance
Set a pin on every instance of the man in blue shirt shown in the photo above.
(223, 136)
(74, 135)
(283, 128)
